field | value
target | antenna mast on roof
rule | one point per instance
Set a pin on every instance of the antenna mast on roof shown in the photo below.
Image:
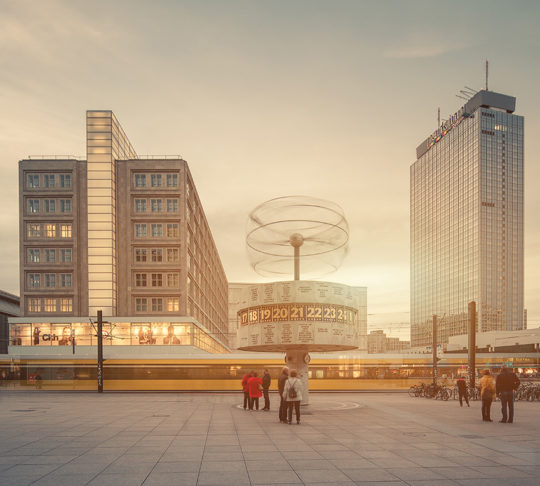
(438, 117)
(487, 66)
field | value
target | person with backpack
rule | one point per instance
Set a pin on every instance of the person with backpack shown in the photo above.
(487, 393)
(292, 393)
(507, 382)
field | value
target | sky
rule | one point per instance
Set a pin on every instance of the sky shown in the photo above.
(327, 99)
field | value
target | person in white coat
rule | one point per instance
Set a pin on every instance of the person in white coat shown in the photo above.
(292, 393)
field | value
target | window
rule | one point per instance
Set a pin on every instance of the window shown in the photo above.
(49, 305)
(65, 255)
(140, 254)
(140, 280)
(33, 180)
(34, 280)
(172, 205)
(173, 304)
(156, 180)
(65, 180)
(33, 255)
(33, 205)
(156, 205)
(172, 280)
(157, 305)
(172, 230)
(157, 255)
(172, 180)
(49, 205)
(66, 305)
(34, 304)
(141, 304)
(48, 180)
(140, 180)
(65, 205)
(157, 230)
(172, 254)
(140, 230)
(140, 205)
(33, 230)
(65, 231)
(65, 280)
(50, 230)
(157, 280)
(50, 255)
(50, 280)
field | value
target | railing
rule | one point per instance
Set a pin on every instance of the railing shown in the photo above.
(56, 157)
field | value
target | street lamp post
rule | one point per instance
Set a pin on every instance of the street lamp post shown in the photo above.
(100, 351)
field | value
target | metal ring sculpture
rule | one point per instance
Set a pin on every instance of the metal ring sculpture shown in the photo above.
(313, 230)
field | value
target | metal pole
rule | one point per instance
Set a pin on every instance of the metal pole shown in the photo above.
(100, 351)
(73, 338)
(297, 263)
(472, 344)
(434, 349)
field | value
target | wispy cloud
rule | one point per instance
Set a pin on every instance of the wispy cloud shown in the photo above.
(422, 47)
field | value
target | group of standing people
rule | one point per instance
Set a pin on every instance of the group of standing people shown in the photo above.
(505, 385)
(290, 393)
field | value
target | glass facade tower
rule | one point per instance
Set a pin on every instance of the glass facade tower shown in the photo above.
(467, 222)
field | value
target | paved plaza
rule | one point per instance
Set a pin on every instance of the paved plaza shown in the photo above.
(206, 439)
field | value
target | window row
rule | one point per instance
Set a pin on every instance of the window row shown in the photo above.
(50, 181)
(49, 255)
(170, 280)
(48, 230)
(156, 255)
(48, 206)
(155, 180)
(49, 280)
(39, 304)
(155, 230)
(157, 304)
(156, 205)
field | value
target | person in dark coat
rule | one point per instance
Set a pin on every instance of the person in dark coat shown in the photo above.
(507, 382)
(281, 387)
(462, 392)
(266, 380)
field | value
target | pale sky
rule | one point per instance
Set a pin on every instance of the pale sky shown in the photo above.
(271, 98)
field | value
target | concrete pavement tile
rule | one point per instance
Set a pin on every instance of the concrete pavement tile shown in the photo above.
(393, 462)
(118, 480)
(459, 472)
(36, 470)
(129, 468)
(55, 479)
(170, 479)
(414, 473)
(352, 463)
(348, 454)
(529, 469)
(226, 466)
(272, 465)
(263, 456)
(501, 472)
(223, 456)
(297, 464)
(433, 482)
(293, 455)
(369, 474)
(232, 478)
(48, 459)
(322, 475)
(230, 448)
(274, 477)
(178, 466)
(18, 481)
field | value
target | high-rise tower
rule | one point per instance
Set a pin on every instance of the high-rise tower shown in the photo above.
(467, 221)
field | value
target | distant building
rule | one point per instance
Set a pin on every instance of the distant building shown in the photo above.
(121, 234)
(379, 342)
(467, 221)
(521, 341)
(9, 307)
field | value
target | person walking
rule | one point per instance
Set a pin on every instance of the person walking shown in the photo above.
(266, 380)
(487, 392)
(293, 394)
(283, 402)
(462, 392)
(245, 389)
(255, 390)
(507, 382)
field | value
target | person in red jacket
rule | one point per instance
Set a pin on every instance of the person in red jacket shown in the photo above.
(245, 388)
(255, 390)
